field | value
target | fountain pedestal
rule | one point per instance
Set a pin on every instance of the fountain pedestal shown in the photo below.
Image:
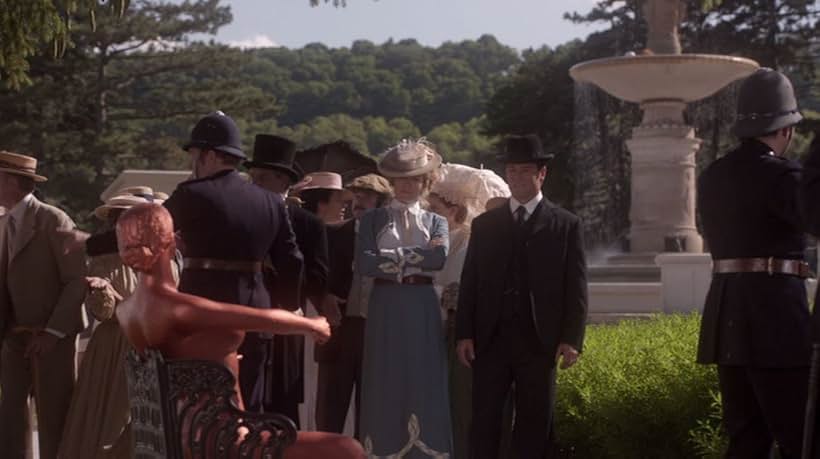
(662, 212)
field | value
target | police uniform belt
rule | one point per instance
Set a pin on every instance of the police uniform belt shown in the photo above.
(769, 265)
(212, 264)
(408, 280)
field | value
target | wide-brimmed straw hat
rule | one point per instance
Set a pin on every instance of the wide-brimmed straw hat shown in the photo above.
(13, 163)
(410, 158)
(121, 202)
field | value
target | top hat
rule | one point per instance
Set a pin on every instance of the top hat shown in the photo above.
(766, 103)
(518, 149)
(371, 182)
(410, 158)
(13, 163)
(274, 152)
(217, 131)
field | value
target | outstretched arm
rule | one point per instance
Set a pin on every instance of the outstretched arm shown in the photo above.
(192, 314)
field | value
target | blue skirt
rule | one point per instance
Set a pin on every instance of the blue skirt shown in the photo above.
(405, 408)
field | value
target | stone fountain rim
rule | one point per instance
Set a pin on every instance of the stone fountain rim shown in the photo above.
(658, 59)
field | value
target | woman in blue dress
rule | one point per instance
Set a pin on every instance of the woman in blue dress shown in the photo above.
(405, 406)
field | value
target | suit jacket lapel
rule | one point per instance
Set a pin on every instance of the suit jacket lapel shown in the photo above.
(25, 229)
(543, 217)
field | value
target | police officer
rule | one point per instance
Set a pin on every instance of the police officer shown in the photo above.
(228, 228)
(756, 318)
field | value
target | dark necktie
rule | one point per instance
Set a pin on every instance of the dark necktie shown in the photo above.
(520, 215)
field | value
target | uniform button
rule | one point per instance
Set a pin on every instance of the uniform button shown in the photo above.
(728, 355)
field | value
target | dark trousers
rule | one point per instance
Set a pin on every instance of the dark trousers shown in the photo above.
(761, 406)
(513, 357)
(271, 376)
(339, 371)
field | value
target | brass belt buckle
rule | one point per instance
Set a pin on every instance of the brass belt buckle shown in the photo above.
(770, 265)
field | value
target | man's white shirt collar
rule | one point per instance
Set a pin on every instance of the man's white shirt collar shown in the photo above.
(529, 205)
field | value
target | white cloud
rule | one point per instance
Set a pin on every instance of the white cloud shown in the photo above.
(257, 41)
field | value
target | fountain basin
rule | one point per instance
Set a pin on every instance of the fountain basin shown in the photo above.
(680, 77)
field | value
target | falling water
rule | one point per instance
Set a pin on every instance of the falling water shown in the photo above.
(712, 119)
(600, 165)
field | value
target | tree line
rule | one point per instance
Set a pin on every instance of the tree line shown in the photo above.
(132, 83)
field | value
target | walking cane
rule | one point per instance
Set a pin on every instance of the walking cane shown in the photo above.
(811, 402)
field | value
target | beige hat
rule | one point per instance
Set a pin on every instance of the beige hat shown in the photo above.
(143, 191)
(371, 182)
(125, 201)
(409, 158)
(26, 166)
(319, 180)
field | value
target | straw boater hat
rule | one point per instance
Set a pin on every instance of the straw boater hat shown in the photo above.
(371, 182)
(319, 181)
(12, 163)
(469, 187)
(129, 197)
(409, 158)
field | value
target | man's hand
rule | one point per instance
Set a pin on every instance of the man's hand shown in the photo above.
(330, 309)
(73, 240)
(321, 329)
(567, 354)
(41, 344)
(465, 349)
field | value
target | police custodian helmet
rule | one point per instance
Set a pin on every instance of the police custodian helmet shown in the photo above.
(217, 131)
(765, 104)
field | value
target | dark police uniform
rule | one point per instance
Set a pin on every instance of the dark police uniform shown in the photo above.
(755, 324)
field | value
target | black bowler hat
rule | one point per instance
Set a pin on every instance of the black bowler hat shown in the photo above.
(274, 152)
(217, 131)
(523, 149)
(766, 103)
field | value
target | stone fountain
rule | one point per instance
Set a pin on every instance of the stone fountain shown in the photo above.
(663, 147)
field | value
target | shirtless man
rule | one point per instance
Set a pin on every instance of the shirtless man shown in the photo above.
(184, 326)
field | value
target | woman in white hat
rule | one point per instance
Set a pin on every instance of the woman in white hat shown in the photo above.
(404, 408)
(460, 195)
(97, 424)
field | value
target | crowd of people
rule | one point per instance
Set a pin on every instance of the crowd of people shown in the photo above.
(390, 276)
(439, 298)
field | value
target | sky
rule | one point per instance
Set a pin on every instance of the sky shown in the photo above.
(521, 24)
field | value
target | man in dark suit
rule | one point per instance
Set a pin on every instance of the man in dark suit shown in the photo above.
(522, 306)
(755, 324)
(273, 169)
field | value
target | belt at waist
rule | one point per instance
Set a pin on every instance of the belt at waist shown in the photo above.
(769, 265)
(212, 264)
(409, 280)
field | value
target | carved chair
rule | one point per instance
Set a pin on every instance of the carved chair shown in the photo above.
(183, 409)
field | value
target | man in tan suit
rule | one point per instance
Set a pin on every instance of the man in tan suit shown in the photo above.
(41, 296)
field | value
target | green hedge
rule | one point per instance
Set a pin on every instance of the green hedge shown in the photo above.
(637, 392)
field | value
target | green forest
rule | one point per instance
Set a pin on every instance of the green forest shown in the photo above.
(128, 86)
